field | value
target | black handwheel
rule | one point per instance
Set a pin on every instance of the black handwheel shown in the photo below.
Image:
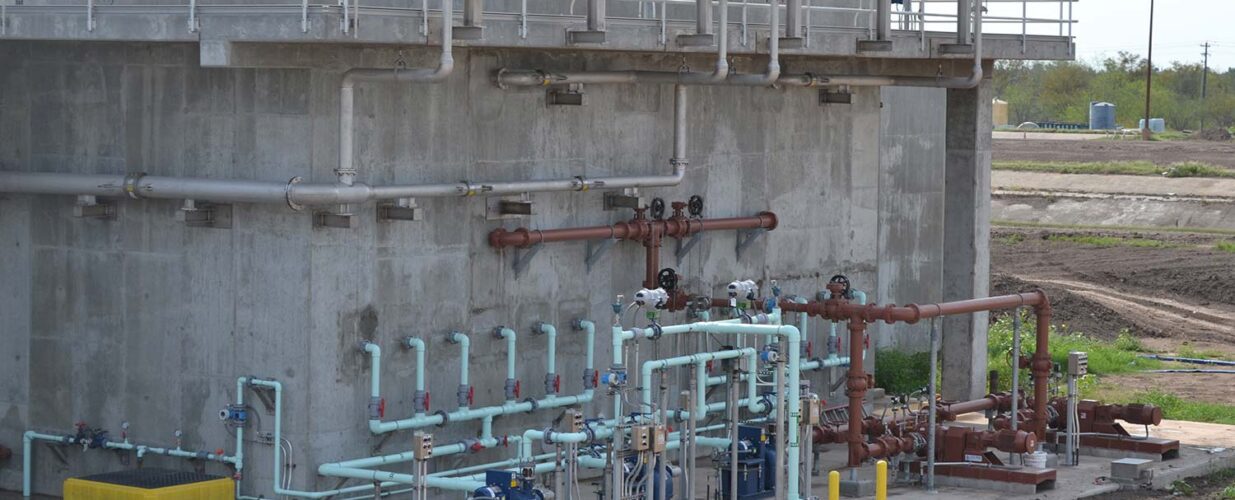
(840, 278)
(695, 206)
(657, 210)
(667, 278)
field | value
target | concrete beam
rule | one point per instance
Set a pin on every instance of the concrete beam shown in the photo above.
(966, 248)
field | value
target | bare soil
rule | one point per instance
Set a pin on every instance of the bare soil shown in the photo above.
(1170, 297)
(1099, 150)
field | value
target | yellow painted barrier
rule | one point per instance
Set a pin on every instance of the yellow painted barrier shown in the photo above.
(833, 485)
(881, 480)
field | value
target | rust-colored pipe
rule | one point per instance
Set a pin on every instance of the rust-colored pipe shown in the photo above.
(838, 308)
(635, 229)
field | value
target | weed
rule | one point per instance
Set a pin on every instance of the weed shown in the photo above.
(1109, 241)
(1015, 238)
(1225, 246)
(900, 372)
(1181, 169)
(1127, 342)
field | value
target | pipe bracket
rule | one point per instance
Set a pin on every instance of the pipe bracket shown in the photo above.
(523, 257)
(746, 237)
(595, 250)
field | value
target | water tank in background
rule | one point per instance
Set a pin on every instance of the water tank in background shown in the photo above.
(1156, 125)
(1101, 116)
(999, 113)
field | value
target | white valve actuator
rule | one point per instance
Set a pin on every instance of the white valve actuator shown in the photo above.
(652, 297)
(745, 289)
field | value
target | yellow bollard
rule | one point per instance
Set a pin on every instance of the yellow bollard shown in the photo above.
(881, 480)
(833, 485)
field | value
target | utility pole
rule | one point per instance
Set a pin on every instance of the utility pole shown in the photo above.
(1204, 82)
(1149, 74)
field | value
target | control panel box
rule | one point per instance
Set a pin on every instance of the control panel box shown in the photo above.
(1078, 363)
(422, 446)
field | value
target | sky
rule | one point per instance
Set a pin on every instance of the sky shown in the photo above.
(1105, 27)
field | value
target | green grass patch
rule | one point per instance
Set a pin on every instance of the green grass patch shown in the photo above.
(1176, 408)
(1014, 238)
(1105, 358)
(1225, 246)
(1109, 241)
(1091, 227)
(1190, 352)
(1182, 169)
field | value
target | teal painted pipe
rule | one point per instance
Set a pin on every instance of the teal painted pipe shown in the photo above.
(444, 483)
(551, 367)
(465, 344)
(418, 346)
(696, 359)
(512, 382)
(27, 448)
(589, 328)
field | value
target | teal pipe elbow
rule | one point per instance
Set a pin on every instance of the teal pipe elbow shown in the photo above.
(551, 382)
(463, 394)
(512, 384)
(418, 346)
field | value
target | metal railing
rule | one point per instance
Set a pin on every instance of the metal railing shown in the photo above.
(1027, 18)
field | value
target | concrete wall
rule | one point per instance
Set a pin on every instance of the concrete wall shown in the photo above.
(143, 319)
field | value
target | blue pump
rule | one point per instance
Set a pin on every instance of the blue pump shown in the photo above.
(506, 485)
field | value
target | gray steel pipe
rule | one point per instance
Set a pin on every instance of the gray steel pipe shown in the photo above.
(296, 194)
(703, 17)
(445, 66)
(963, 10)
(883, 21)
(963, 82)
(793, 18)
(596, 15)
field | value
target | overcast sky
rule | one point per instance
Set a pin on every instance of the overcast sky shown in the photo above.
(1107, 26)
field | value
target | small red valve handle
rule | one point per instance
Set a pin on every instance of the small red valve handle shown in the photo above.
(518, 385)
(557, 383)
(471, 395)
(426, 401)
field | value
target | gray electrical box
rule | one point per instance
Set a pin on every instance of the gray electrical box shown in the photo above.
(1078, 363)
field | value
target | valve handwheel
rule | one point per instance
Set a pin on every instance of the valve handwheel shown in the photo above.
(667, 278)
(657, 209)
(695, 206)
(842, 279)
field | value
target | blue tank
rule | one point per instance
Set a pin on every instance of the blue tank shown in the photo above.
(1101, 116)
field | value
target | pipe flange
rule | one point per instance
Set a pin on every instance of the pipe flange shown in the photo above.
(818, 360)
(497, 78)
(591, 433)
(445, 417)
(548, 435)
(532, 401)
(287, 193)
(497, 331)
(657, 331)
(130, 184)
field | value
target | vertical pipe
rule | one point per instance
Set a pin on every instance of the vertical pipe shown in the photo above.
(596, 15)
(511, 381)
(703, 17)
(963, 12)
(679, 124)
(1016, 364)
(930, 418)
(418, 346)
(793, 18)
(462, 395)
(884, 22)
(551, 368)
(857, 389)
(782, 424)
(473, 13)
(1041, 366)
(732, 405)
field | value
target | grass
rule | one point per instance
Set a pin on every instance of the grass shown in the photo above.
(1181, 169)
(1014, 238)
(1109, 241)
(1189, 352)
(1087, 227)
(1225, 246)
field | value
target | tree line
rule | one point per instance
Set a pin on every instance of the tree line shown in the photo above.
(1061, 91)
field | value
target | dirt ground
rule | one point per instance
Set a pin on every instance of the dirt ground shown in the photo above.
(1170, 297)
(1159, 152)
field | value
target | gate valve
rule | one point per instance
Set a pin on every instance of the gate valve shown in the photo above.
(553, 383)
(420, 401)
(474, 445)
(464, 394)
(512, 389)
(679, 208)
(591, 378)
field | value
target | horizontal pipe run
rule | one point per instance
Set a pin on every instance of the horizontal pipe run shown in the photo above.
(296, 194)
(629, 230)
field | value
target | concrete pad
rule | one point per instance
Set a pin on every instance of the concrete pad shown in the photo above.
(857, 488)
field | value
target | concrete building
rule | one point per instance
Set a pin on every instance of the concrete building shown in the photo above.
(116, 310)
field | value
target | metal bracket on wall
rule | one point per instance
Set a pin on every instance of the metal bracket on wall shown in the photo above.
(218, 216)
(746, 237)
(523, 257)
(405, 211)
(58, 451)
(684, 248)
(377, 448)
(566, 95)
(508, 208)
(596, 249)
(323, 218)
(615, 201)
(834, 97)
